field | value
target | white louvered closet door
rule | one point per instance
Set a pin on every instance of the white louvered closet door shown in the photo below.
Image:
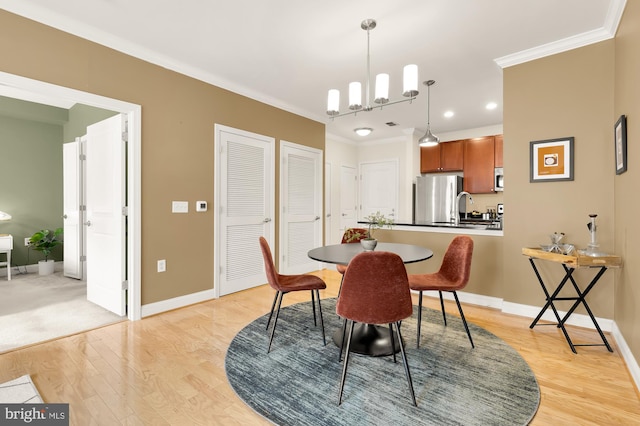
(245, 208)
(301, 200)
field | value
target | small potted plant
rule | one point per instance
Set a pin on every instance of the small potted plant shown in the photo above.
(44, 241)
(375, 221)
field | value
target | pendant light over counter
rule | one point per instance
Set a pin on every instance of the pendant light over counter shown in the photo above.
(429, 139)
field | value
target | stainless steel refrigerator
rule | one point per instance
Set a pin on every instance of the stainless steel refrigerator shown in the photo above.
(435, 197)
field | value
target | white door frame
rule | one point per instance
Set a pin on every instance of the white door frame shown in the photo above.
(134, 188)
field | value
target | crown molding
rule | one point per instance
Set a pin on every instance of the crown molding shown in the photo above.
(608, 31)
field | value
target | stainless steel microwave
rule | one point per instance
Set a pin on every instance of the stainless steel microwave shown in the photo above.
(499, 179)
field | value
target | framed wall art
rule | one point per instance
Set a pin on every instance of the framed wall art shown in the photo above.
(620, 140)
(551, 160)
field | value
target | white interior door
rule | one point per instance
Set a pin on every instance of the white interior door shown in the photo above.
(105, 225)
(348, 198)
(301, 201)
(245, 200)
(72, 212)
(379, 188)
(328, 228)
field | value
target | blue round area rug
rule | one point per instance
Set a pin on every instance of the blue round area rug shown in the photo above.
(297, 383)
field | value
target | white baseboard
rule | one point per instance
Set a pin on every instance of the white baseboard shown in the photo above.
(176, 302)
(629, 359)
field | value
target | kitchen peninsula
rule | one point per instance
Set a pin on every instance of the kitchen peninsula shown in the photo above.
(486, 280)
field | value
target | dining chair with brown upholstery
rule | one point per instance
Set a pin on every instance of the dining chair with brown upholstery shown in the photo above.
(375, 291)
(350, 236)
(453, 275)
(283, 284)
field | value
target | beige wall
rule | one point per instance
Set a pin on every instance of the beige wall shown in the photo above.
(626, 203)
(178, 117)
(569, 94)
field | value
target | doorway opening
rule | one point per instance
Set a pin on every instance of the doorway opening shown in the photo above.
(37, 91)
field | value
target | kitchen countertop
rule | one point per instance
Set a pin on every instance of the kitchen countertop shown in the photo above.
(467, 226)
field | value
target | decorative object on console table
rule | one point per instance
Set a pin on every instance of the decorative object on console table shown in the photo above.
(620, 131)
(375, 221)
(45, 241)
(551, 160)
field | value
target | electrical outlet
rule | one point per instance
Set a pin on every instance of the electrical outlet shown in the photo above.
(162, 265)
(26, 241)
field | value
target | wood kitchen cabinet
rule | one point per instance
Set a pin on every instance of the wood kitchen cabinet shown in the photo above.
(444, 157)
(497, 157)
(479, 164)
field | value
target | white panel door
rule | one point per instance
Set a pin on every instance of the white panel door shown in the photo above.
(379, 188)
(348, 198)
(105, 224)
(245, 207)
(301, 201)
(72, 213)
(328, 224)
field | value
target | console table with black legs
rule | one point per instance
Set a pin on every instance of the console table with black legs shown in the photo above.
(570, 263)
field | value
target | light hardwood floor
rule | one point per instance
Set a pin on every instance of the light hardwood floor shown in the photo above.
(169, 368)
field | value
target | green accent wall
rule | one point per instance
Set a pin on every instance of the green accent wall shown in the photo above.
(31, 139)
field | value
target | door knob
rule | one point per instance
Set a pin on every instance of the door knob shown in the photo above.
(317, 218)
(88, 223)
(266, 220)
(64, 216)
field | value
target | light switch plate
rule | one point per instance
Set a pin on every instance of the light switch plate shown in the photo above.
(179, 207)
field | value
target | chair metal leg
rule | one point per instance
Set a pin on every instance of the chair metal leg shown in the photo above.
(406, 367)
(464, 321)
(324, 339)
(344, 331)
(340, 289)
(444, 315)
(313, 306)
(273, 305)
(346, 363)
(275, 321)
(419, 318)
(393, 345)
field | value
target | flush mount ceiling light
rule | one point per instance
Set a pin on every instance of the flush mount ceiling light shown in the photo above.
(381, 94)
(4, 216)
(429, 139)
(363, 131)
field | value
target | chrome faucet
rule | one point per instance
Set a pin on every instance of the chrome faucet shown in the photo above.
(456, 207)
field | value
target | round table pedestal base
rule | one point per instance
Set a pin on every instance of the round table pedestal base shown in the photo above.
(369, 339)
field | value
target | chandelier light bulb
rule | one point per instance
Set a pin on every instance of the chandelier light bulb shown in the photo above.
(355, 95)
(410, 81)
(382, 89)
(333, 102)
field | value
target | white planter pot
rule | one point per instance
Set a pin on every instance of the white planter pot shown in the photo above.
(45, 267)
(369, 244)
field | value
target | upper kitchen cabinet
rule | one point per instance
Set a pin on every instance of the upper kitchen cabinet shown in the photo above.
(497, 158)
(479, 165)
(444, 157)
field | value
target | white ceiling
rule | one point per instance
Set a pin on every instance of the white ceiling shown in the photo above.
(288, 53)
